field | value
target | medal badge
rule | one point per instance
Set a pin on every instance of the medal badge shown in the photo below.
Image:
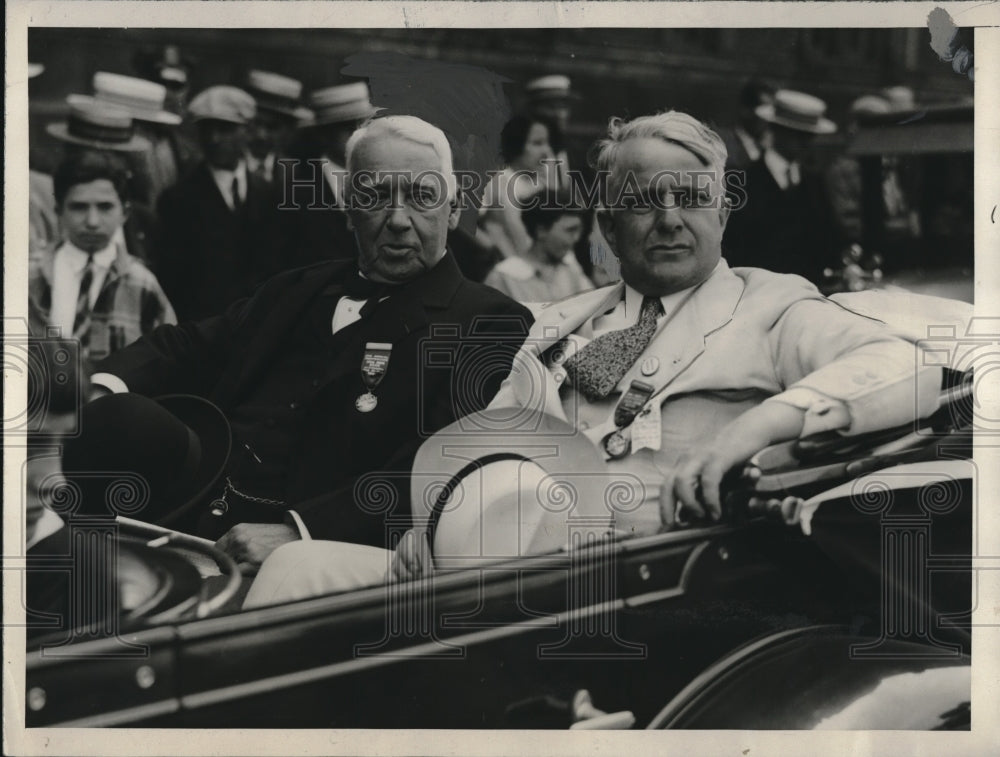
(366, 402)
(616, 444)
(373, 367)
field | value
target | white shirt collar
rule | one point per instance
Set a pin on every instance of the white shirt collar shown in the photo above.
(47, 525)
(780, 168)
(626, 312)
(254, 164)
(77, 258)
(633, 300)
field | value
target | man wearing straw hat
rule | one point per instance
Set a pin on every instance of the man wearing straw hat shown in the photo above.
(550, 98)
(218, 225)
(786, 224)
(156, 168)
(279, 111)
(313, 219)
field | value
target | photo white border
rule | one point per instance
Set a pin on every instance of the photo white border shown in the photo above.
(986, 643)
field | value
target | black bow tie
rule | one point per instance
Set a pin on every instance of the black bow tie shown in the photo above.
(357, 287)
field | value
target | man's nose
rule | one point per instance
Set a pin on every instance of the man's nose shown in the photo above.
(399, 215)
(93, 218)
(669, 218)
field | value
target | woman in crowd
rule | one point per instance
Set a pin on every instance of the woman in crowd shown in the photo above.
(530, 169)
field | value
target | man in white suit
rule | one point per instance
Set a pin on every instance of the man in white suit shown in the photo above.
(687, 367)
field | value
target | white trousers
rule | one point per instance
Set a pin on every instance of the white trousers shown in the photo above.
(302, 569)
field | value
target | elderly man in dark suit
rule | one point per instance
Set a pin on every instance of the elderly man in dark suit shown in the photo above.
(218, 225)
(333, 373)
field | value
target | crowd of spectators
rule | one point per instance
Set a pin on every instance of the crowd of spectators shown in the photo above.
(214, 194)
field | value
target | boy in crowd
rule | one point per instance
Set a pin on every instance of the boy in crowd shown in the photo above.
(549, 271)
(88, 286)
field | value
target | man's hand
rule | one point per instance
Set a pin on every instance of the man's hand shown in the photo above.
(699, 472)
(249, 544)
(412, 558)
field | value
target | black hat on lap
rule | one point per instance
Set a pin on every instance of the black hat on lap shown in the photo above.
(152, 460)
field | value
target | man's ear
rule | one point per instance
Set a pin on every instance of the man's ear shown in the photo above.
(724, 210)
(350, 220)
(607, 223)
(456, 211)
(126, 210)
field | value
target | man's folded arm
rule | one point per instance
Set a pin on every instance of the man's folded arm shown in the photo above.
(187, 359)
(849, 373)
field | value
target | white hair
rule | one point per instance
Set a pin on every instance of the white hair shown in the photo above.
(413, 129)
(670, 126)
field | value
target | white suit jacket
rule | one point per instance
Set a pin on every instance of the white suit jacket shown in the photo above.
(744, 336)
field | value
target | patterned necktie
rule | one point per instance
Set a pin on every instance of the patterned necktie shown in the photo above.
(236, 195)
(81, 321)
(597, 368)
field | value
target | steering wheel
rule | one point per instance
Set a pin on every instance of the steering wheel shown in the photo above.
(174, 584)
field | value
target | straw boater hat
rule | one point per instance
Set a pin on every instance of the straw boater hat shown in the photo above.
(868, 105)
(143, 99)
(223, 104)
(551, 88)
(98, 125)
(900, 97)
(342, 103)
(798, 111)
(277, 94)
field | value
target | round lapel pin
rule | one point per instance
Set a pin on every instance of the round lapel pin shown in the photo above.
(649, 366)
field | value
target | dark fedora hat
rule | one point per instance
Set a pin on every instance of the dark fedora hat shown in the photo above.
(148, 459)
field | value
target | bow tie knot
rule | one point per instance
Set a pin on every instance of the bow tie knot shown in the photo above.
(357, 287)
(360, 288)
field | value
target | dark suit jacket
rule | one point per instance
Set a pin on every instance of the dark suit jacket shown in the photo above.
(313, 229)
(737, 157)
(453, 344)
(207, 255)
(785, 231)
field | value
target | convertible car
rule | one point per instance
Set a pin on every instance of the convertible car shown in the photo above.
(834, 593)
